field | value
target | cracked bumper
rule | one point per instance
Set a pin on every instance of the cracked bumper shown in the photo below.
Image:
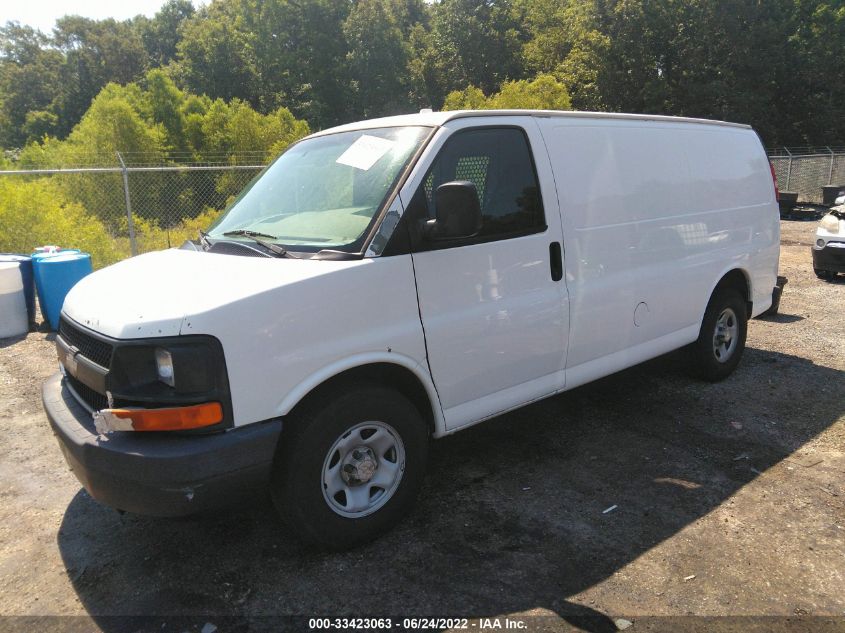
(160, 474)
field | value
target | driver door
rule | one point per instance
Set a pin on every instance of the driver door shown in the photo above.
(494, 307)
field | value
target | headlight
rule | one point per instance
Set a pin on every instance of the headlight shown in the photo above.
(173, 371)
(164, 367)
(830, 223)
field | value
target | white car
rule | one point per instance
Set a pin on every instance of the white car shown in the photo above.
(395, 280)
(829, 247)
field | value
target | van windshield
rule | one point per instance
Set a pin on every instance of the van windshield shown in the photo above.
(323, 192)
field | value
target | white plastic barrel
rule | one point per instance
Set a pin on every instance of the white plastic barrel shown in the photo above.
(13, 320)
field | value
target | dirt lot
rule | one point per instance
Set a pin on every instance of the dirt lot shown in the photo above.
(729, 501)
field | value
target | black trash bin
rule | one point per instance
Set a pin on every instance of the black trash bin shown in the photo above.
(830, 193)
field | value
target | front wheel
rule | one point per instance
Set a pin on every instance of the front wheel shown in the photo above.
(348, 469)
(721, 340)
(823, 274)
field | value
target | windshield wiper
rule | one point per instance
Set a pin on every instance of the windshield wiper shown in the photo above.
(281, 251)
(276, 249)
(248, 233)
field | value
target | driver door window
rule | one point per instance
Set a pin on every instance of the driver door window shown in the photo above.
(499, 163)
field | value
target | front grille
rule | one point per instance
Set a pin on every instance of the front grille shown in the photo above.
(91, 348)
(93, 399)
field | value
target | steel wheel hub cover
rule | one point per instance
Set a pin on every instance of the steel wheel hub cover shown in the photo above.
(363, 469)
(725, 335)
(359, 466)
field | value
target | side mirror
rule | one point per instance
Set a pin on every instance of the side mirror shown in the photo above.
(458, 212)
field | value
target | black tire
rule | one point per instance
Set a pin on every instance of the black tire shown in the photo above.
(298, 476)
(706, 361)
(823, 274)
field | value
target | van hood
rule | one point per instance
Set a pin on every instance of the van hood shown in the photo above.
(156, 294)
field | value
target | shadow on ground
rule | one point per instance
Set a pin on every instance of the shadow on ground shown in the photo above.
(780, 317)
(511, 517)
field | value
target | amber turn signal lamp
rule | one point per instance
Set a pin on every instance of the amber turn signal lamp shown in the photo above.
(170, 419)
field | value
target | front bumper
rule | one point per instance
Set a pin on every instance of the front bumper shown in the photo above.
(160, 474)
(830, 258)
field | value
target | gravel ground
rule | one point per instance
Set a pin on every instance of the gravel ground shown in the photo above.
(728, 501)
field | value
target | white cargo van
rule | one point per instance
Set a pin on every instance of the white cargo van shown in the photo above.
(395, 280)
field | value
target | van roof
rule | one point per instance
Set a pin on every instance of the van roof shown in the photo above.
(435, 119)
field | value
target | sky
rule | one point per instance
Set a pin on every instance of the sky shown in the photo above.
(42, 14)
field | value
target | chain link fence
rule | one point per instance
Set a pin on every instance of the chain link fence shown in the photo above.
(806, 170)
(127, 207)
(128, 203)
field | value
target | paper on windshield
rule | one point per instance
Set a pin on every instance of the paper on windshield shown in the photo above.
(364, 152)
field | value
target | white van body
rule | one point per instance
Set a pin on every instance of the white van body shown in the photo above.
(650, 214)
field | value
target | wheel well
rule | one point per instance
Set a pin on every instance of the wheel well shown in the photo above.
(387, 374)
(737, 280)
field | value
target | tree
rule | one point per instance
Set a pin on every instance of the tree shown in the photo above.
(162, 33)
(377, 59)
(29, 77)
(164, 105)
(36, 212)
(270, 53)
(563, 39)
(543, 93)
(773, 64)
(96, 53)
(817, 40)
(474, 42)
(215, 57)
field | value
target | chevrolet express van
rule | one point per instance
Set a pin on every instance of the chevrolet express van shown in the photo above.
(395, 280)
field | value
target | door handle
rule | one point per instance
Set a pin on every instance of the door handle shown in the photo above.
(556, 261)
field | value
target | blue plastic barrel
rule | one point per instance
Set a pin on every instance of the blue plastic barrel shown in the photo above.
(37, 258)
(58, 274)
(25, 265)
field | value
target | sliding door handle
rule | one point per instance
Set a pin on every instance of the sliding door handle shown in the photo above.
(556, 261)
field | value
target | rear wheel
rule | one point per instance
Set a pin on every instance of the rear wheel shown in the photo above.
(721, 340)
(823, 274)
(348, 469)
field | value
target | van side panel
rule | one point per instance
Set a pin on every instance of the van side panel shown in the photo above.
(654, 214)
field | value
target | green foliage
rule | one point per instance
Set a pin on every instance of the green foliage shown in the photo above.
(163, 103)
(378, 57)
(269, 53)
(543, 93)
(150, 236)
(564, 39)
(471, 42)
(470, 98)
(35, 212)
(215, 57)
(145, 123)
(95, 53)
(154, 119)
(29, 79)
(114, 123)
(245, 76)
(162, 33)
(773, 64)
